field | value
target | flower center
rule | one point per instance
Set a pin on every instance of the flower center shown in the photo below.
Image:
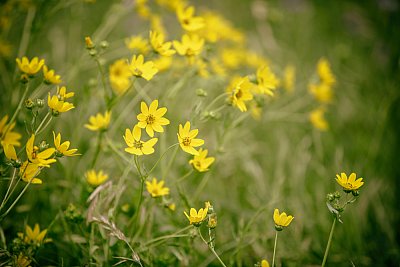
(150, 119)
(239, 94)
(186, 141)
(138, 144)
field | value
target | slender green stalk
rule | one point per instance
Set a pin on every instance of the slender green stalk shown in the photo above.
(39, 128)
(183, 177)
(216, 100)
(276, 241)
(142, 180)
(211, 248)
(103, 80)
(329, 243)
(158, 161)
(171, 161)
(9, 188)
(15, 202)
(96, 154)
(113, 148)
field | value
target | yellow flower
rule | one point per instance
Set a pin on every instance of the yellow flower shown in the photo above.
(159, 46)
(142, 9)
(240, 92)
(152, 118)
(141, 69)
(7, 136)
(162, 63)
(187, 19)
(187, 141)
(137, 146)
(322, 92)
(201, 162)
(22, 261)
(317, 119)
(281, 220)
(156, 189)
(99, 122)
(89, 43)
(62, 93)
(232, 57)
(137, 44)
(28, 171)
(94, 178)
(349, 184)
(10, 152)
(289, 77)
(197, 217)
(266, 80)
(325, 73)
(50, 77)
(41, 158)
(264, 263)
(30, 68)
(34, 236)
(120, 75)
(191, 46)
(62, 149)
(58, 106)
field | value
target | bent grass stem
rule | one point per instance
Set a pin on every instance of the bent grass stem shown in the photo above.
(211, 248)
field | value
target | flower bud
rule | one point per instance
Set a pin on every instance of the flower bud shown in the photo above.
(39, 102)
(212, 220)
(92, 52)
(43, 145)
(330, 197)
(336, 195)
(72, 214)
(104, 44)
(355, 193)
(24, 78)
(29, 104)
(201, 92)
(89, 43)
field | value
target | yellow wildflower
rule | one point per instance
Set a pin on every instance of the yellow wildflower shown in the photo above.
(162, 63)
(197, 217)
(266, 81)
(30, 67)
(139, 68)
(99, 122)
(201, 162)
(41, 158)
(191, 46)
(120, 75)
(142, 8)
(325, 73)
(28, 171)
(89, 43)
(156, 189)
(96, 178)
(137, 44)
(322, 92)
(159, 46)
(289, 78)
(10, 152)
(62, 149)
(7, 136)
(350, 184)
(187, 19)
(22, 261)
(152, 118)
(232, 57)
(50, 77)
(62, 93)
(264, 263)
(35, 236)
(171, 206)
(240, 92)
(58, 106)
(317, 119)
(281, 220)
(156, 24)
(137, 146)
(173, 5)
(187, 140)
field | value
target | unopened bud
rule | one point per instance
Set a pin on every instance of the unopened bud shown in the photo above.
(92, 52)
(104, 44)
(39, 102)
(201, 92)
(212, 221)
(29, 104)
(89, 43)
(43, 145)
(355, 193)
(24, 78)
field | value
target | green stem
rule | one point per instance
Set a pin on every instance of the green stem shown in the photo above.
(139, 203)
(276, 241)
(113, 148)
(103, 80)
(15, 202)
(183, 177)
(212, 249)
(215, 100)
(158, 161)
(42, 123)
(171, 160)
(8, 189)
(96, 155)
(166, 237)
(329, 243)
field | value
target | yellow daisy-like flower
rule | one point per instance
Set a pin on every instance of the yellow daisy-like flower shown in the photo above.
(159, 46)
(62, 149)
(120, 76)
(10, 152)
(190, 46)
(41, 158)
(266, 81)
(240, 92)
(322, 92)
(28, 172)
(156, 189)
(139, 68)
(62, 93)
(22, 261)
(34, 236)
(325, 73)
(58, 106)
(201, 162)
(187, 140)
(137, 146)
(7, 136)
(138, 44)
(264, 263)
(188, 21)
(99, 122)
(350, 184)
(197, 217)
(96, 178)
(30, 67)
(152, 118)
(318, 120)
(281, 220)
(50, 77)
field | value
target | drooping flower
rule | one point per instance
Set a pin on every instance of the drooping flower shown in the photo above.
(139, 68)
(156, 189)
(99, 122)
(28, 172)
(50, 77)
(349, 184)
(152, 118)
(159, 46)
(188, 20)
(318, 120)
(96, 178)
(240, 92)
(135, 145)
(266, 81)
(58, 106)
(35, 156)
(190, 46)
(120, 76)
(137, 44)
(197, 217)
(187, 140)
(35, 236)
(201, 162)
(62, 149)
(30, 67)
(281, 220)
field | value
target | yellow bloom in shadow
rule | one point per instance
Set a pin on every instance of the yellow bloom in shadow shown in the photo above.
(187, 140)
(135, 145)
(62, 148)
(50, 77)
(7, 136)
(30, 67)
(201, 162)
(139, 68)
(325, 73)
(197, 217)
(99, 122)
(96, 178)
(188, 21)
(152, 118)
(34, 236)
(120, 75)
(349, 184)
(137, 44)
(281, 220)
(28, 172)
(156, 189)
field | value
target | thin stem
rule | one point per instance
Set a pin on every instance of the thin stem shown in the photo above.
(113, 148)
(96, 155)
(139, 203)
(276, 241)
(103, 79)
(171, 160)
(212, 249)
(42, 123)
(215, 100)
(183, 177)
(158, 161)
(8, 189)
(15, 202)
(329, 243)
(166, 237)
